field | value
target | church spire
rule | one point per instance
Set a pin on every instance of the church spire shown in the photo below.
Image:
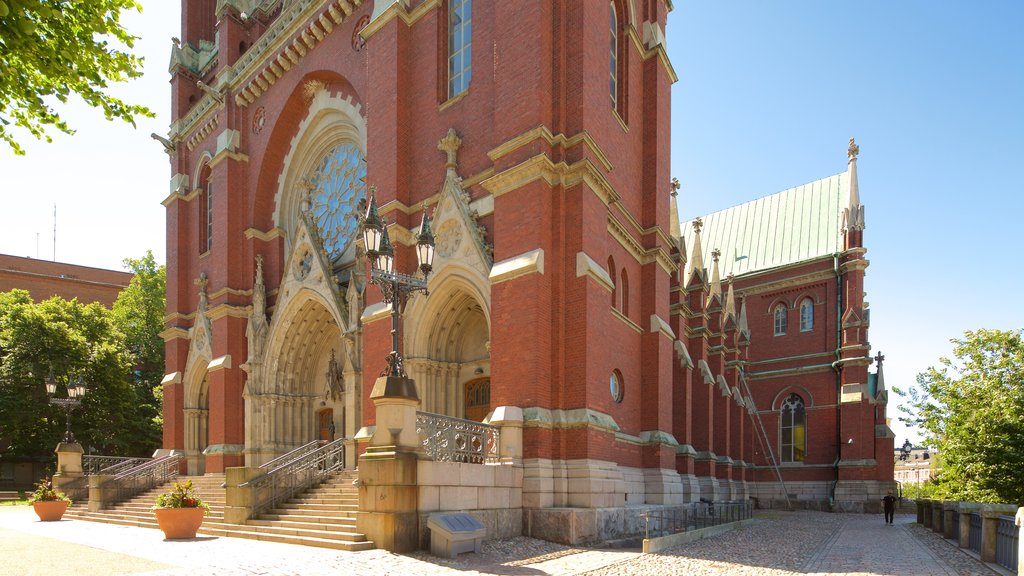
(716, 278)
(742, 322)
(696, 259)
(673, 213)
(730, 299)
(853, 214)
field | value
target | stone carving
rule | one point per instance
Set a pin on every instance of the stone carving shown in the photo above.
(675, 186)
(448, 238)
(450, 145)
(853, 150)
(697, 224)
(201, 328)
(258, 328)
(335, 386)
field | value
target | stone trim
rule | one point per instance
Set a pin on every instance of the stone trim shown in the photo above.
(560, 141)
(375, 311)
(224, 449)
(586, 266)
(220, 363)
(528, 263)
(537, 417)
(228, 311)
(625, 319)
(659, 325)
(174, 334)
(172, 378)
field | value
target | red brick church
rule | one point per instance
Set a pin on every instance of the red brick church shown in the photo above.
(647, 363)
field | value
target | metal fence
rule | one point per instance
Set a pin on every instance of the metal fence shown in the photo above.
(447, 439)
(1007, 536)
(694, 516)
(290, 478)
(974, 543)
(138, 479)
(78, 489)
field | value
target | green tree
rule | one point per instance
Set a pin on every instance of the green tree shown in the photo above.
(70, 339)
(50, 49)
(138, 313)
(972, 410)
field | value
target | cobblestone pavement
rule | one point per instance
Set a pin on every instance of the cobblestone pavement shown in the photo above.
(779, 543)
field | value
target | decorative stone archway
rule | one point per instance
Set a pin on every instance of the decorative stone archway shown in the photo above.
(197, 389)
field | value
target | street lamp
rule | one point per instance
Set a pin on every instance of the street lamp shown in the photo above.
(395, 286)
(76, 391)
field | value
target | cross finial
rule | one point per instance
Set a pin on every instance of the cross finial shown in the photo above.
(853, 150)
(879, 358)
(697, 224)
(450, 145)
(715, 254)
(675, 186)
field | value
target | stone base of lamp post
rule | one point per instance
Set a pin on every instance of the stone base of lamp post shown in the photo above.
(69, 463)
(388, 488)
(238, 500)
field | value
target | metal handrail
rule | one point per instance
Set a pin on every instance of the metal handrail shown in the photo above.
(78, 489)
(138, 479)
(694, 516)
(292, 477)
(448, 439)
(292, 455)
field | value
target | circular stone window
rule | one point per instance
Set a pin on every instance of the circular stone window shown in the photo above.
(615, 386)
(336, 187)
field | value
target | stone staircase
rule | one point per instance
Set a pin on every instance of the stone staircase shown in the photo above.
(323, 516)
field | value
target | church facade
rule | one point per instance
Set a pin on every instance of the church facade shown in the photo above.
(563, 285)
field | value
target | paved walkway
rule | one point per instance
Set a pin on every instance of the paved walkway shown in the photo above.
(780, 543)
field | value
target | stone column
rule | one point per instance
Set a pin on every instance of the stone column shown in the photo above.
(990, 514)
(920, 511)
(926, 520)
(936, 516)
(1019, 520)
(388, 487)
(966, 509)
(949, 508)
(238, 500)
(69, 463)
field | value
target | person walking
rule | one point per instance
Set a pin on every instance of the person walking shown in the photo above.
(889, 506)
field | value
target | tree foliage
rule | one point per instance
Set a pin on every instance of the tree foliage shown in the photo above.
(118, 353)
(51, 49)
(972, 410)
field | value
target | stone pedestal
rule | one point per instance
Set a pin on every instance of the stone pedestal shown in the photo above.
(936, 516)
(69, 463)
(238, 500)
(990, 514)
(949, 508)
(99, 496)
(509, 419)
(926, 508)
(388, 488)
(965, 510)
(919, 503)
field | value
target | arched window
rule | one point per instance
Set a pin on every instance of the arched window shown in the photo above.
(614, 56)
(205, 183)
(459, 51)
(616, 387)
(806, 315)
(793, 426)
(780, 320)
(611, 273)
(625, 293)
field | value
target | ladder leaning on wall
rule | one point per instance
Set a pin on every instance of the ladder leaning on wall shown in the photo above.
(762, 437)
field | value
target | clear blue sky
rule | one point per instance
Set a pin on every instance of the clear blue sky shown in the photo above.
(768, 95)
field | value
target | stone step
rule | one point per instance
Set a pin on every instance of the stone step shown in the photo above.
(303, 518)
(299, 511)
(291, 505)
(343, 526)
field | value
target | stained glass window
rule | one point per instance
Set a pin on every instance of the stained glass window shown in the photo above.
(794, 429)
(337, 185)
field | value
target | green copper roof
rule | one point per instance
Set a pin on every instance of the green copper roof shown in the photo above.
(791, 226)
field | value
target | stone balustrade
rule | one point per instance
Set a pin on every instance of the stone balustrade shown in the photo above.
(954, 521)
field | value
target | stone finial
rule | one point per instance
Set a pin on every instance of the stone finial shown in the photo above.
(716, 254)
(716, 279)
(203, 282)
(730, 297)
(697, 224)
(853, 150)
(450, 145)
(675, 187)
(673, 212)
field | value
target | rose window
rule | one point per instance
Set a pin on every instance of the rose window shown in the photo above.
(336, 187)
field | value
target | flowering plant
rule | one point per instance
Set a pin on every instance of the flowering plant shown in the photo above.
(183, 495)
(45, 492)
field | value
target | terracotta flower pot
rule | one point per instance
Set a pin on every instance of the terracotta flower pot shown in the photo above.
(179, 523)
(50, 510)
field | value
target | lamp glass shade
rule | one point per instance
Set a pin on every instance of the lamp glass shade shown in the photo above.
(425, 255)
(386, 262)
(371, 239)
(51, 384)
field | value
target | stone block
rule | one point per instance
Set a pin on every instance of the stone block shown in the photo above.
(476, 475)
(429, 498)
(432, 473)
(494, 498)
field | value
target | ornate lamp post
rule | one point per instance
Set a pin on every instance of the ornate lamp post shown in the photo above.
(395, 286)
(76, 391)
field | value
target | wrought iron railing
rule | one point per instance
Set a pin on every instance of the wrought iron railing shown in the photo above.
(138, 479)
(78, 489)
(974, 542)
(290, 478)
(1007, 537)
(447, 439)
(93, 464)
(292, 455)
(694, 516)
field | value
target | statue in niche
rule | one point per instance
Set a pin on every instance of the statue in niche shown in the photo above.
(258, 328)
(335, 386)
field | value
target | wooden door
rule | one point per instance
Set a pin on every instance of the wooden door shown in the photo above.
(326, 418)
(478, 399)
